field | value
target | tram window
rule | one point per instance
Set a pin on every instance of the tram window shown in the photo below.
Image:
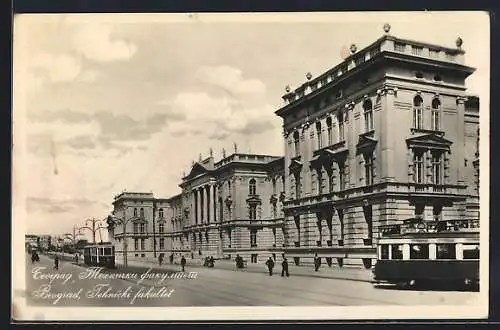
(445, 251)
(419, 251)
(397, 251)
(107, 251)
(471, 251)
(384, 252)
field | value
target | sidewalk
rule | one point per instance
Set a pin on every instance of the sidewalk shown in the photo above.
(334, 272)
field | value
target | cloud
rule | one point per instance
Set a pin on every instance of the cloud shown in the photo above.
(81, 142)
(65, 115)
(50, 205)
(80, 130)
(230, 79)
(96, 43)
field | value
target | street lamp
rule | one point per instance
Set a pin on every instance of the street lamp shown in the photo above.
(90, 224)
(112, 220)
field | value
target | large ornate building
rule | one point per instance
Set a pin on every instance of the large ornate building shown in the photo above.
(228, 207)
(386, 135)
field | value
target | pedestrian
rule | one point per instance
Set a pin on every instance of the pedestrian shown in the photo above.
(270, 266)
(56, 262)
(183, 263)
(284, 268)
(76, 258)
(160, 259)
(171, 258)
(317, 262)
(212, 262)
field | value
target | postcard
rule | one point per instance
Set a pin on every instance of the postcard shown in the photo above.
(250, 166)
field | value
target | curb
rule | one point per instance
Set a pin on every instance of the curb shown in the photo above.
(155, 266)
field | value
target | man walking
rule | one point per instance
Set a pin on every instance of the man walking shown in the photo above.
(284, 268)
(56, 262)
(183, 263)
(317, 262)
(270, 266)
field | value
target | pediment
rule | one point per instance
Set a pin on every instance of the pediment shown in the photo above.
(429, 141)
(295, 165)
(366, 144)
(196, 170)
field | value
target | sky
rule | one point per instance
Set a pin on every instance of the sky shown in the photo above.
(106, 103)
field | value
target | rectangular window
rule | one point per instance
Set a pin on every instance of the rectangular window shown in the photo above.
(330, 141)
(418, 118)
(368, 120)
(296, 145)
(253, 212)
(253, 238)
(471, 251)
(275, 211)
(436, 169)
(397, 251)
(341, 128)
(418, 161)
(320, 182)
(297, 188)
(162, 243)
(419, 251)
(384, 252)
(161, 228)
(445, 251)
(342, 178)
(143, 241)
(435, 120)
(136, 244)
(143, 228)
(369, 169)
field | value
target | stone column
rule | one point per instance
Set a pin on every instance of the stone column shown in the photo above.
(195, 207)
(209, 204)
(199, 204)
(214, 201)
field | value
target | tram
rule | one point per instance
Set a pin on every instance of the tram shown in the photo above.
(102, 255)
(420, 251)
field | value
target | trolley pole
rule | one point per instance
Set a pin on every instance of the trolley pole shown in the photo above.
(90, 224)
(123, 222)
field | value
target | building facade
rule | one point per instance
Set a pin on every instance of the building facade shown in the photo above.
(386, 135)
(226, 208)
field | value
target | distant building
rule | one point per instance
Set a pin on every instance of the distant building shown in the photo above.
(225, 208)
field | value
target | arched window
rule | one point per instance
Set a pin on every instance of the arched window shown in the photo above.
(417, 112)
(252, 187)
(368, 112)
(296, 140)
(160, 213)
(436, 106)
(329, 130)
(318, 134)
(135, 211)
(142, 212)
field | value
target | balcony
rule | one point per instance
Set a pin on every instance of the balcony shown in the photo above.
(252, 223)
(416, 226)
